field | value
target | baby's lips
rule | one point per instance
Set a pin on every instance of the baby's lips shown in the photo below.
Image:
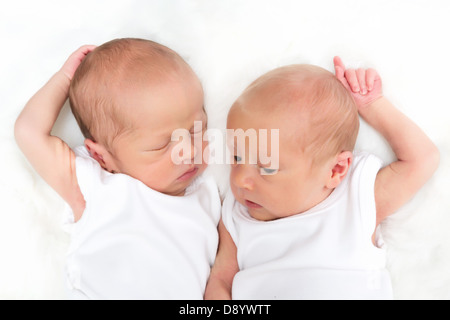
(251, 204)
(188, 174)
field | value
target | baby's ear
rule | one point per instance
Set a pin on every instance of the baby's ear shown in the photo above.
(340, 168)
(100, 154)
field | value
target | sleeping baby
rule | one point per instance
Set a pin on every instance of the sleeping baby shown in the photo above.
(306, 228)
(142, 226)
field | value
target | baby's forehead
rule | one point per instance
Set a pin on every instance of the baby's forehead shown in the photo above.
(133, 61)
(287, 90)
(287, 98)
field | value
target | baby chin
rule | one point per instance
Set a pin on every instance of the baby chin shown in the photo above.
(187, 177)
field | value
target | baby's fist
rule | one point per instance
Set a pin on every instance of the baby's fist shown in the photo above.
(72, 63)
(364, 85)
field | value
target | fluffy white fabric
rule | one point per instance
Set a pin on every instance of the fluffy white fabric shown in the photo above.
(230, 43)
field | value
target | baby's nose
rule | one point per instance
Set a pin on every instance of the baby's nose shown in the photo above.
(191, 150)
(241, 177)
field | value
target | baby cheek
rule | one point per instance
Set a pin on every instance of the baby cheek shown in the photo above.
(166, 170)
(233, 186)
(236, 177)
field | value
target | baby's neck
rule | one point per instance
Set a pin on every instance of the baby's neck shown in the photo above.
(319, 199)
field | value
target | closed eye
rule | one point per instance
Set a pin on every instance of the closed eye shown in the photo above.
(158, 148)
(196, 129)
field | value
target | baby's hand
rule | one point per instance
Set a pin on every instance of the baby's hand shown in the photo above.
(364, 85)
(72, 63)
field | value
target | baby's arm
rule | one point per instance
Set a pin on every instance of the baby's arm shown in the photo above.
(417, 156)
(224, 269)
(49, 155)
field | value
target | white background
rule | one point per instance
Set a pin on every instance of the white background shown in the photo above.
(229, 43)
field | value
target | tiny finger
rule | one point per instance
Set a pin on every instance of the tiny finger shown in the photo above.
(371, 75)
(340, 75)
(361, 75)
(338, 62)
(352, 79)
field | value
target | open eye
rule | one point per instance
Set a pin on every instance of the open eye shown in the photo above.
(268, 171)
(237, 159)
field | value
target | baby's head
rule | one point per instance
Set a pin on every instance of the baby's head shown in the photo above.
(128, 96)
(318, 124)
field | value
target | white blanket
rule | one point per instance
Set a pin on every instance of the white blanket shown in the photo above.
(230, 43)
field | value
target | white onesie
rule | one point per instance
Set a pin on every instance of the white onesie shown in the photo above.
(323, 253)
(136, 243)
